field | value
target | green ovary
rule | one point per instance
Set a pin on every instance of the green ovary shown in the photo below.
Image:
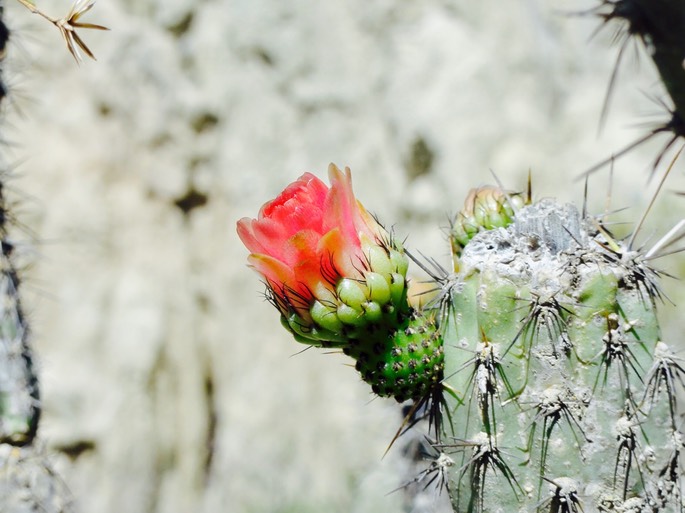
(404, 365)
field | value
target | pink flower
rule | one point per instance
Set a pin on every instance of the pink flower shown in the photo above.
(314, 245)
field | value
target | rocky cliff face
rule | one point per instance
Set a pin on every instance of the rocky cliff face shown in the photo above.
(168, 385)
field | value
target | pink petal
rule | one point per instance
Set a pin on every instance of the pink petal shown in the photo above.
(295, 216)
(340, 208)
(306, 189)
(274, 271)
(246, 232)
(301, 247)
(340, 257)
(281, 279)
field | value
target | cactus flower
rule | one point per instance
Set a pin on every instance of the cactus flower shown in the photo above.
(330, 268)
(339, 280)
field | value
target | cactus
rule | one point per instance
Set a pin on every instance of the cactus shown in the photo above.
(562, 394)
(557, 392)
(19, 398)
(546, 378)
(28, 481)
(659, 25)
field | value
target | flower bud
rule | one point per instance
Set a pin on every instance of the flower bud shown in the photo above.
(485, 208)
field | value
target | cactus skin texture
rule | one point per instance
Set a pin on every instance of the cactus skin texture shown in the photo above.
(19, 397)
(560, 392)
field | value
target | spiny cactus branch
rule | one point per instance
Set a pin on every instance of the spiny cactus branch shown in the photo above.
(660, 26)
(665, 22)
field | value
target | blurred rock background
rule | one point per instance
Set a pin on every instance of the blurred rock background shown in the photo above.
(168, 384)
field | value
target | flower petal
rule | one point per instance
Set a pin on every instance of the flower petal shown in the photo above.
(289, 293)
(246, 232)
(275, 272)
(339, 210)
(307, 189)
(343, 209)
(338, 258)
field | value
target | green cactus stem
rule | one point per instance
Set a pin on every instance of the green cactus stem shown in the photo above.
(564, 392)
(405, 363)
